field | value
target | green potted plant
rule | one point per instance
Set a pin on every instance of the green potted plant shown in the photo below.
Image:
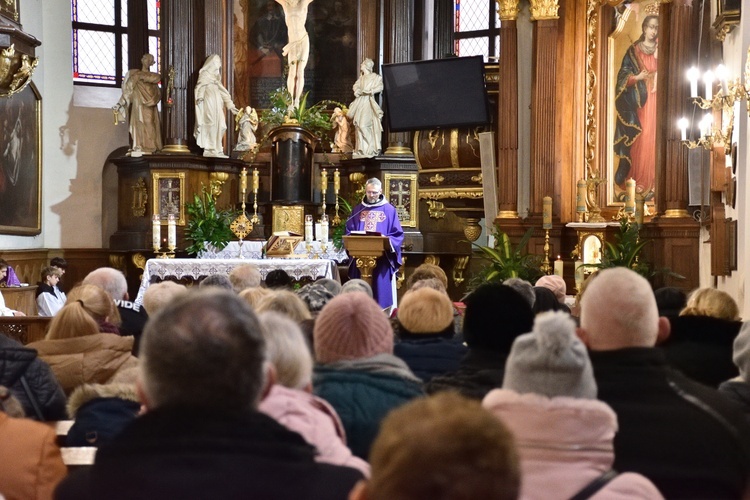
(207, 225)
(505, 262)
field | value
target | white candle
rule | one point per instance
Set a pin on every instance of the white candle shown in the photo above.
(171, 232)
(693, 74)
(323, 229)
(682, 124)
(721, 74)
(708, 79)
(547, 212)
(156, 232)
(559, 266)
(317, 231)
(630, 195)
(308, 229)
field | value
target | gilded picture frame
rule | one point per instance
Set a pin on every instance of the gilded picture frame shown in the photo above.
(728, 15)
(401, 191)
(9, 9)
(621, 93)
(168, 196)
(21, 162)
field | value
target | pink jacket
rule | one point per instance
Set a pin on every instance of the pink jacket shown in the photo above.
(316, 421)
(564, 444)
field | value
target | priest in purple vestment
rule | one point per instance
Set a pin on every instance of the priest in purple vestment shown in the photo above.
(375, 213)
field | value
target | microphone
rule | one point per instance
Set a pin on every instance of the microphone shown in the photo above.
(354, 215)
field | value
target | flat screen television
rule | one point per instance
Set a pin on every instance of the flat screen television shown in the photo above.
(439, 93)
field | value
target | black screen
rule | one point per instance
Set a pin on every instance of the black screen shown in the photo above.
(440, 93)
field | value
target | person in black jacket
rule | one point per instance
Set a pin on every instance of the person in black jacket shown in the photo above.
(31, 381)
(684, 436)
(203, 375)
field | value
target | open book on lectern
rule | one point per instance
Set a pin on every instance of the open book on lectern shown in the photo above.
(282, 243)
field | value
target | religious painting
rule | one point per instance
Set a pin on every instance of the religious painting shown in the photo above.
(401, 191)
(169, 196)
(260, 35)
(21, 162)
(633, 61)
(728, 13)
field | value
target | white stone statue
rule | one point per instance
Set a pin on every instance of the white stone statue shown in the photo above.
(140, 95)
(210, 100)
(342, 139)
(247, 124)
(365, 112)
(297, 51)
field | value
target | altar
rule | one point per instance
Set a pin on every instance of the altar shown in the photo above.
(160, 269)
(254, 250)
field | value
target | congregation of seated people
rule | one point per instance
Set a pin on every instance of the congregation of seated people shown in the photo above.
(251, 387)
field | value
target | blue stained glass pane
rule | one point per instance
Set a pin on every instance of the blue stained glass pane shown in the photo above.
(95, 11)
(153, 14)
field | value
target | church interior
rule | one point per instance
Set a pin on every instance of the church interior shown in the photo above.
(564, 156)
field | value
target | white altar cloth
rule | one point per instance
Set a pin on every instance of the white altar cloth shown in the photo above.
(254, 250)
(160, 269)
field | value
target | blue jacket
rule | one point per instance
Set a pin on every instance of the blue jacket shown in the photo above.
(362, 399)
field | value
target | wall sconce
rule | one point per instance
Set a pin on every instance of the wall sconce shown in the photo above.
(730, 94)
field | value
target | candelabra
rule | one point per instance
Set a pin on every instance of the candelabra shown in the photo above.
(546, 225)
(545, 267)
(336, 188)
(169, 253)
(723, 102)
(323, 188)
(242, 226)
(256, 187)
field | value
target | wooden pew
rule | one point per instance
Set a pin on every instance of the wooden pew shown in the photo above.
(24, 329)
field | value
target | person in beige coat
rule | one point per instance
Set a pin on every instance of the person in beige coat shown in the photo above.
(74, 348)
(30, 461)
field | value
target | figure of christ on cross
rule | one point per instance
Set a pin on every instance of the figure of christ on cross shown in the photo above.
(172, 203)
(402, 192)
(297, 50)
(374, 213)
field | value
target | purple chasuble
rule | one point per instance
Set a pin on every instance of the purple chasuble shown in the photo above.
(380, 217)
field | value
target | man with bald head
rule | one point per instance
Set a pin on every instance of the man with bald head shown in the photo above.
(684, 436)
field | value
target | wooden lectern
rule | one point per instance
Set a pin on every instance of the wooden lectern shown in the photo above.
(365, 250)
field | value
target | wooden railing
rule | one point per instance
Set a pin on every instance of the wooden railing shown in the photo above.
(25, 329)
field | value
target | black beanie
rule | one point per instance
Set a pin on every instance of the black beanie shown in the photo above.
(495, 315)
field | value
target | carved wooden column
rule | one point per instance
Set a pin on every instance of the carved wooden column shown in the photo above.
(178, 64)
(507, 126)
(398, 46)
(676, 55)
(543, 105)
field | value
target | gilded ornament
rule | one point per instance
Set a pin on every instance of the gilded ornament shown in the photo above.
(435, 209)
(544, 9)
(140, 197)
(241, 226)
(459, 265)
(477, 179)
(508, 9)
(437, 179)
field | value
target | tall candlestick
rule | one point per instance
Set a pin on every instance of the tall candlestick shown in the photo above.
(243, 180)
(171, 232)
(559, 266)
(336, 181)
(547, 213)
(256, 180)
(630, 195)
(323, 180)
(581, 196)
(156, 232)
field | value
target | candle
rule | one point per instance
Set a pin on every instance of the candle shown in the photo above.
(547, 213)
(308, 228)
(581, 196)
(171, 232)
(705, 125)
(721, 74)
(639, 206)
(256, 180)
(317, 231)
(156, 232)
(243, 180)
(323, 229)
(682, 124)
(336, 181)
(630, 195)
(559, 266)
(693, 74)
(323, 180)
(708, 79)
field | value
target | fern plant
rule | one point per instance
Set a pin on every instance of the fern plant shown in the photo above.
(314, 118)
(505, 261)
(207, 224)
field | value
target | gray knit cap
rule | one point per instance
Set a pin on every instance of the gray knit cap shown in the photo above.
(550, 360)
(741, 355)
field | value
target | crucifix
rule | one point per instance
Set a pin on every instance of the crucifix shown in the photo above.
(171, 206)
(403, 213)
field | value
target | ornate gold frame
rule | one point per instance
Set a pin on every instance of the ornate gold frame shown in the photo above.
(156, 177)
(413, 194)
(598, 161)
(288, 218)
(9, 9)
(726, 18)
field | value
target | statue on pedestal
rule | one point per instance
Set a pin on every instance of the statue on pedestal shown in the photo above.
(365, 112)
(210, 99)
(297, 50)
(140, 95)
(247, 124)
(342, 141)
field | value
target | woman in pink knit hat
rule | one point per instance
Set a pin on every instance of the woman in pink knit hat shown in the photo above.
(356, 370)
